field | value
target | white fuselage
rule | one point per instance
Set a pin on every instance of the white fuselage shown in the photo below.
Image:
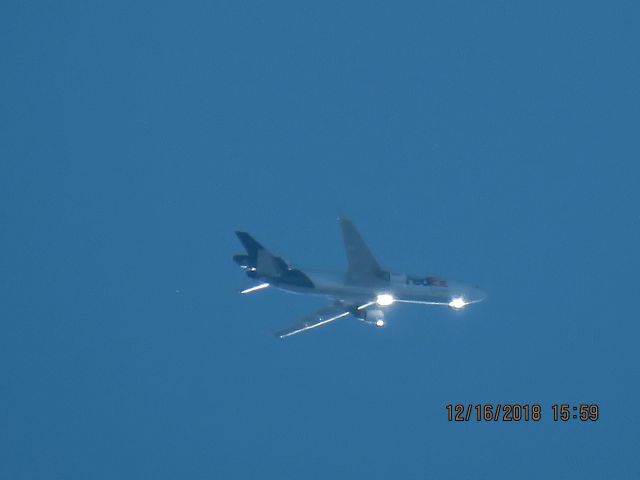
(401, 287)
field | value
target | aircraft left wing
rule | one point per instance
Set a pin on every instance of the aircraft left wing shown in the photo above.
(320, 318)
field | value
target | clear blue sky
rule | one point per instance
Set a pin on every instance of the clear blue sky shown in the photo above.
(490, 142)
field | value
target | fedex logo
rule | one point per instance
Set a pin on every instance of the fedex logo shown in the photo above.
(427, 281)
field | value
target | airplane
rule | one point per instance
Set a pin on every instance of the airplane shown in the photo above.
(362, 292)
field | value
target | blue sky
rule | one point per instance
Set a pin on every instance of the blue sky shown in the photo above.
(489, 142)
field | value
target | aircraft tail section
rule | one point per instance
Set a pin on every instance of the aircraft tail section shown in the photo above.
(258, 259)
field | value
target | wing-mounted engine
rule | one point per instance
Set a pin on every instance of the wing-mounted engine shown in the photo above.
(372, 316)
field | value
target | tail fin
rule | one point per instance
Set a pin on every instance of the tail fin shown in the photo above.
(258, 258)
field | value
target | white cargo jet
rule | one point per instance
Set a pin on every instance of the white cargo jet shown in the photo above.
(363, 292)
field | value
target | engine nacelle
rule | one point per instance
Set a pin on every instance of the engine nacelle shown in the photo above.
(375, 318)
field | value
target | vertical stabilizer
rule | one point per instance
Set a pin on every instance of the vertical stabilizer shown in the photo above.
(259, 258)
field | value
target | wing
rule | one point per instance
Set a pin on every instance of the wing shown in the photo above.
(322, 317)
(362, 264)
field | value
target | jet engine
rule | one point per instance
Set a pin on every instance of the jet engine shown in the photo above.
(376, 317)
(373, 317)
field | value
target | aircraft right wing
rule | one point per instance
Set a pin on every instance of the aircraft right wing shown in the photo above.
(320, 318)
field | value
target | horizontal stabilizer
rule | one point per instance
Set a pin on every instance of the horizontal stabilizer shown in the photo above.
(255, 288)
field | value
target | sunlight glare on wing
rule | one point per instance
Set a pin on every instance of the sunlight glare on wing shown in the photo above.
(457, 303)
(384, 299)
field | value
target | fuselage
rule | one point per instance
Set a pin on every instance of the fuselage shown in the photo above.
(361, 292)
(395, 287)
